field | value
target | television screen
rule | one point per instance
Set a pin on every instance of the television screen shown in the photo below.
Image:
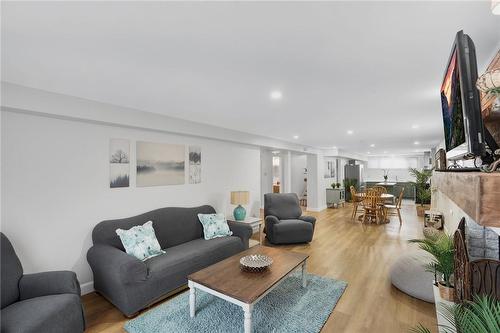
(451, 103)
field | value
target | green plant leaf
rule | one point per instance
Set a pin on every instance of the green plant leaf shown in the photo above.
(442, 250)
(482, 315)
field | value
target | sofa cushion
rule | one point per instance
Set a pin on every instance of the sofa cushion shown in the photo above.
(11, 271)
(294, 224)
(282, 205)
(173, 226)
(55, 314)
(194, 255)
(293, 231)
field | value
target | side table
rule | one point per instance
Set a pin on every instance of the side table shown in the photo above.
(255, 223)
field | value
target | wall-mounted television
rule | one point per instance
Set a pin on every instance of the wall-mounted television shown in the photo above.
(460, 102)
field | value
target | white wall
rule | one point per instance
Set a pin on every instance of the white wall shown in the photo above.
(299, 163)
(339, 175)
(266, 173)
(55, 185)
(286, 167)
(397, 167)
(451, 212)
(316, 193)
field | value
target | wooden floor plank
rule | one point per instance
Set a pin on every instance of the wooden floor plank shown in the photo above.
(342, 249)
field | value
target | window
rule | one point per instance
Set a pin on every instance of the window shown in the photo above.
(392, 162)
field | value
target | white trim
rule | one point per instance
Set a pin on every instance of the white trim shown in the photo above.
(194, 285)
(87, 287)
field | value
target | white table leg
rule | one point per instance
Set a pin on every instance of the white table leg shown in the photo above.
(304, 281)
(248, 318)
(192, 300)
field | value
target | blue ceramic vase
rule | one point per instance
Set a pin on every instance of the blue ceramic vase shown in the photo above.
(239, 213)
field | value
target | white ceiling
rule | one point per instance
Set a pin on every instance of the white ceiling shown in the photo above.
(371, 67)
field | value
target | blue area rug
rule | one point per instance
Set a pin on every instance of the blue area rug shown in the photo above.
(288, 308)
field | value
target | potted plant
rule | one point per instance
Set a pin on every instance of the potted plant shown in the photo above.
(482, 315)
(386, 175)
(348, 182)
(338, 185)
(440, 246)
(422, 189)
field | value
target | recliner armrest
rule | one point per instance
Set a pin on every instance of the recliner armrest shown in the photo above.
(241, 230)
(48, 283)
(271, 219)
(269, 223)
(310, 219)
(116, 265)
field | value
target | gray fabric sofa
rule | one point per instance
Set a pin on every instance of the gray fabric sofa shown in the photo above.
(131, 284)
(46, 302)
(284, 223)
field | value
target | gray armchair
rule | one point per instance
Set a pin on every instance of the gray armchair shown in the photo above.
(284, 223)
(41, 302)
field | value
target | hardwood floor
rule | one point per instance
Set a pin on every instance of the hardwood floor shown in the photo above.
(346, 250)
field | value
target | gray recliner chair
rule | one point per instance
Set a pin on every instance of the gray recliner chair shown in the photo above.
(284, 223)
(46, 302)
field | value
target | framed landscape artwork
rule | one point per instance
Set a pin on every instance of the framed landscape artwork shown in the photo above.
(159, 164)
(329, 169)
(119, 163)
(194, 164)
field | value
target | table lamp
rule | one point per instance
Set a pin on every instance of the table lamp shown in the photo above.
(239, 198)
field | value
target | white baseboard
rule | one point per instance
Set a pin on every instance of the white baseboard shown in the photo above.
(87, 287)
(316, 209)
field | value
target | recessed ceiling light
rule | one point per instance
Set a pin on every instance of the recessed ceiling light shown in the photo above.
(372, 145)
(350, 132)
(415, 126)
(295, 137)
(385, 151)
(416, 143)
(368, 152)
(276, 94)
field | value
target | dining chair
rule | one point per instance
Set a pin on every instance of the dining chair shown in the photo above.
(395, 210)
(380, 189)
(371, 205)
(356, 200)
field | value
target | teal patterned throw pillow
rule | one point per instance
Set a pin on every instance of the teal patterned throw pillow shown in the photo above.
(214, 225)
(140, 241)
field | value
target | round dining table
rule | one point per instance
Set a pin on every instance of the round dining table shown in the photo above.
(384, 196)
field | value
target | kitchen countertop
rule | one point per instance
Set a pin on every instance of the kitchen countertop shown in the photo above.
(389, 181)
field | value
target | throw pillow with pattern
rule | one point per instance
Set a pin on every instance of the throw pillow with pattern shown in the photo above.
(214, 225)
(140, 241)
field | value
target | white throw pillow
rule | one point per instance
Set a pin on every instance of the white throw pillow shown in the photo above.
(140, 241)
(214, 225)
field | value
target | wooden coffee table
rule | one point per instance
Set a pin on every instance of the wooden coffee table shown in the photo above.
(226, 280)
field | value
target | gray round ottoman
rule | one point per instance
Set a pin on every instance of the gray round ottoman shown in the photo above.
(408, 274)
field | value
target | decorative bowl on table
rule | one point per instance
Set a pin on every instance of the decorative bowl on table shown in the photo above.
(255, 263)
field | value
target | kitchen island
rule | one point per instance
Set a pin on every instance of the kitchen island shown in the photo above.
(394, 187)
